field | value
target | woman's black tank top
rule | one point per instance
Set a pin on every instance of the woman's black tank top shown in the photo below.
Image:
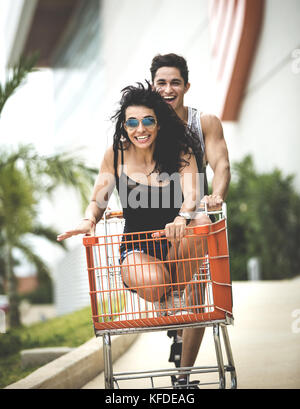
(147, 207)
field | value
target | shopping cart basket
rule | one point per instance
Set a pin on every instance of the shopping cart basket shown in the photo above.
(118, 309)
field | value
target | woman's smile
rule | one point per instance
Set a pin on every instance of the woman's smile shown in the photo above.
(141, 126)
(143, 138)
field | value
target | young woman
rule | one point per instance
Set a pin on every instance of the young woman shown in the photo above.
(152, 164)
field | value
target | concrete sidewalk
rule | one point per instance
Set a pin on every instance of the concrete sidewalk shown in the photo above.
(265, 340)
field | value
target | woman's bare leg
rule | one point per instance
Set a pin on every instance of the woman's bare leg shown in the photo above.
(192, 337)
(149, 279)
(189, 248)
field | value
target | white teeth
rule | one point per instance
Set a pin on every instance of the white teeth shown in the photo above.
(141, 137)
(169, 97)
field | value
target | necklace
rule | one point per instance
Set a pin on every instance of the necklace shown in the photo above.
(159, 180)
(152, 171)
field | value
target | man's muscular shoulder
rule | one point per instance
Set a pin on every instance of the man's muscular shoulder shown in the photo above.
(210, 123)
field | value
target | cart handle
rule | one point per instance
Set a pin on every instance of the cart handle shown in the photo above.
(202, 208)
(203, 229)
(114, 214)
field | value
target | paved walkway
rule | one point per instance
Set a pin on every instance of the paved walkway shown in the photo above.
(265, 340)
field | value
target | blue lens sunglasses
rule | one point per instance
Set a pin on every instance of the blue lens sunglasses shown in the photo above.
(148, 122)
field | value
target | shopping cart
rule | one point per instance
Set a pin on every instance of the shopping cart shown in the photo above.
(206, 302)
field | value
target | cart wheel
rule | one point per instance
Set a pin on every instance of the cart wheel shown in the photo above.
(184, 383)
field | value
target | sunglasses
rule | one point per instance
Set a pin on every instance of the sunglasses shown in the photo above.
(148, 122)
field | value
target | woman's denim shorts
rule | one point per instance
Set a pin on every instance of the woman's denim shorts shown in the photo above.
(158, 249)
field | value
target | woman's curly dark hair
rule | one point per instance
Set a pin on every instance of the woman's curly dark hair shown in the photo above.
(174, 138)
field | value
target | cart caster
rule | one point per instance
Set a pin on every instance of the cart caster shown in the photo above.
(184, 383)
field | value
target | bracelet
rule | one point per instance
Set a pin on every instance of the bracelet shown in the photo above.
(186, 215)
(90, 221)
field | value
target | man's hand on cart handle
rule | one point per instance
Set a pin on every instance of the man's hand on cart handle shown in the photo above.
(86, 226)
(213, 202)
(111, 214)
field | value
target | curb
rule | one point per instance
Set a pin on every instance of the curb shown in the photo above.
(76, 368)
(42, 356)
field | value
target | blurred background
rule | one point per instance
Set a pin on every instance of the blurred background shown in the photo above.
(244, 66)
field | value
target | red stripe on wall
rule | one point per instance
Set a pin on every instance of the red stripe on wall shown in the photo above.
(235, 28)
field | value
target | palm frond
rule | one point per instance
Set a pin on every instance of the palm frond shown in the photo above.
(17, 77)
(32, 257)
(9, 156)
(48, 172)
(47, 233)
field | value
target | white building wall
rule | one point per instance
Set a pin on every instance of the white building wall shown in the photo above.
(269, 123)
(9, 21)
(71, 286)
(15, 19)
(134, 34)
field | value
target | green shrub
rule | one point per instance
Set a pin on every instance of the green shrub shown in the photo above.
(10, 343)
(67, 330)
(263, 222)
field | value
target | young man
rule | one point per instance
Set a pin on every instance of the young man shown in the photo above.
(170, 78)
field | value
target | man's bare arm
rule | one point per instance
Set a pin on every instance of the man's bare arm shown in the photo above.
(216, 154)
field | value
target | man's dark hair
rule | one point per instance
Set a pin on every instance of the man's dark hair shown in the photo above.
(170, 60)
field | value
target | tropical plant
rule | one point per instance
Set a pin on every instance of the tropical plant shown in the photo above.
(16, 77)
(263, 222)
(25, 179)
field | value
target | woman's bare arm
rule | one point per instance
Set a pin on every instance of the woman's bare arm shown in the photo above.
(190, 185)
(103, 188)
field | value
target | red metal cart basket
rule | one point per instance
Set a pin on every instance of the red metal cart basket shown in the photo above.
(200, 274)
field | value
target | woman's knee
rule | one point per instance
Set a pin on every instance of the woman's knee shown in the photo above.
(150, 281)
(153, 292)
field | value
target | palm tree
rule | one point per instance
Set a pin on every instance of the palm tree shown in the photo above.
(16, 77)
(26, 178)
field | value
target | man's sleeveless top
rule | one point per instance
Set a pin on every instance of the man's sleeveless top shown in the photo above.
(195, 124)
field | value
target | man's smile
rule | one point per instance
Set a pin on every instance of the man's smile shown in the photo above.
(169, 99)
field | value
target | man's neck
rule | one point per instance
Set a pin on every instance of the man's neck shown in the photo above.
(182, 112)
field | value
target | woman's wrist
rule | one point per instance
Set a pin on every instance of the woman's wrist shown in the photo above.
(181, 218)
